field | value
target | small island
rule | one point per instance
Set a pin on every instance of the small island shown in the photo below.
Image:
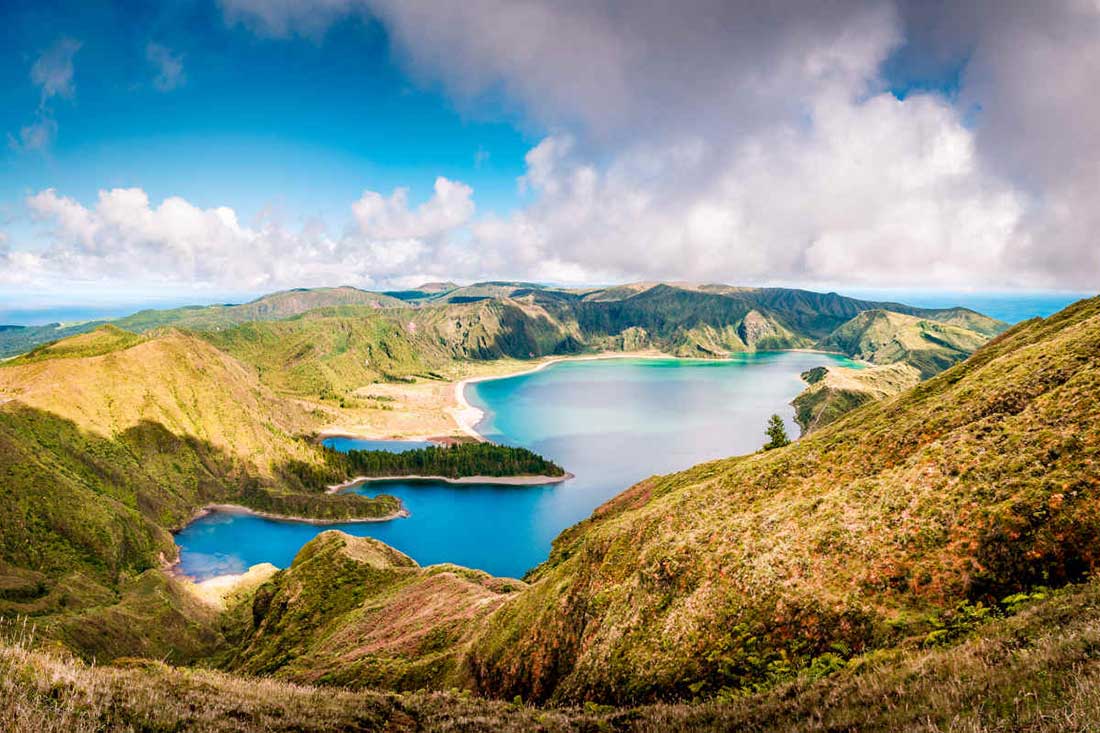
(457, 463)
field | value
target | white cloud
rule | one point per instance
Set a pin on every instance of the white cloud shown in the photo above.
(740, 140)
(52, 72)
(282, 18)
(38, 135)
(168, 66)
(381, 218)
(125, 238)
(735, 141)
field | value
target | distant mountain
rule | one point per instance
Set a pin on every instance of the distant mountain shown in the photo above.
(278, 305)
(527, 319)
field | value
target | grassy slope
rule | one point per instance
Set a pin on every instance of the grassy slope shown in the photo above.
(1036, 671)
(353, 611)
(99, 455)
(841, 390)
(103, 340)
(885, 337)
(738, 573)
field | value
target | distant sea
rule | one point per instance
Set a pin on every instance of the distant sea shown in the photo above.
(1007, 307)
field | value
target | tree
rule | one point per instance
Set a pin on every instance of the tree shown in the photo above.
(777, 432)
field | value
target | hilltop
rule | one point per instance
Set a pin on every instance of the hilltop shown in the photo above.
(284, 304)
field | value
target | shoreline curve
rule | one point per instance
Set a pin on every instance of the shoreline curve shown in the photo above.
(495, 480)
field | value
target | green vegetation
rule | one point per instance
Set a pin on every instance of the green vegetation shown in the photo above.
(100, 456)
(420, 332)
(740, 574)
(16, 340)
(886, 337)
(354, 612)
(1034, 671)
(103, 340)
(453, 461)
(777, 433)
(835, 391)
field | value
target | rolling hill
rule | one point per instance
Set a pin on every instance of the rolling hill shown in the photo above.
(886, 337)
(109, 440)
(833, 391)
(524, 320)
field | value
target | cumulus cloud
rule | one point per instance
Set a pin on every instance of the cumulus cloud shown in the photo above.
(125, 237)
(757, 141)
(450, 207)
(168, 67)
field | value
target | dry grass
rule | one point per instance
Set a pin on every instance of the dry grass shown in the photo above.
(1036, 672)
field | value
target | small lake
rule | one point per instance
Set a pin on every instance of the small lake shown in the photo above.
(611, 422)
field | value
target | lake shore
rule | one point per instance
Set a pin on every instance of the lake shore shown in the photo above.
(239, 509)
(494, 480)
(467, 416)
(449, 399)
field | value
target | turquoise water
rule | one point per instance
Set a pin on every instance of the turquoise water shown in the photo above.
(345, 444)
(611, 422)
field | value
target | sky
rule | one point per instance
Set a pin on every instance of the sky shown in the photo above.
(206, 149)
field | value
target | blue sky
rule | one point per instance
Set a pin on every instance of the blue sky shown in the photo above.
(298, 123)
(203, 149)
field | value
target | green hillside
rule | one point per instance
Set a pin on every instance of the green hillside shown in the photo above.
(741, 573)
(352, 611)
(1035, 670)
(834, 391)
(17, 340)
(886, 337)
(524, 320)
(102, 453)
